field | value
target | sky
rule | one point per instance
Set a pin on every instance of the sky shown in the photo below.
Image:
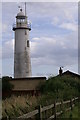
(53, 38)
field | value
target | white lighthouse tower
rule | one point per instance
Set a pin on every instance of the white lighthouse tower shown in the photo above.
(22, 62)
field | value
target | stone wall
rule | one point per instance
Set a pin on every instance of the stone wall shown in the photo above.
(24, 86)
(30, 83)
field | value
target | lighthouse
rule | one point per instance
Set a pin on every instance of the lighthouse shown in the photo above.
(22, 61)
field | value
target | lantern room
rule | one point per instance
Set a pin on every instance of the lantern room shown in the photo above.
(21, 21)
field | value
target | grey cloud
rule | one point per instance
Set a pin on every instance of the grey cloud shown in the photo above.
(52, 9)
(55, 54)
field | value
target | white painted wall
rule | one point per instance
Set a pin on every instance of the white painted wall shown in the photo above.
(22, 61)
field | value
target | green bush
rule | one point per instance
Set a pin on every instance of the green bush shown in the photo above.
(61, 87)
(6, 85)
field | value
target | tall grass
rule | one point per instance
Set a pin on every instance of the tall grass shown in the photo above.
(74, 114)
(16, 106)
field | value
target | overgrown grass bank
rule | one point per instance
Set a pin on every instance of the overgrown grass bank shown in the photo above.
(16, 106)
(74, 114)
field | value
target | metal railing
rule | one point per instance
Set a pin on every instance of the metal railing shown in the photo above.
(21, 25)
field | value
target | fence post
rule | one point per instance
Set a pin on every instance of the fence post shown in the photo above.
(78, 105)
(52, 110)
(55, 110)
(40, 113)
(62, 108)
(71, 104)
(36, 116)
(78, 100)
(74, 101)
(45, 114)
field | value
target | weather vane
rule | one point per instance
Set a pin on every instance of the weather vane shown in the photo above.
(20, 8)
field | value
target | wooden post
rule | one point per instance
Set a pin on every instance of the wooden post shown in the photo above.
(62, 107)
(78, 100)
(40, 113)
(52, 110)
(55, 110)
(71, 104)
(78, 105)
(36, 116)
(45, 114)
(74, 101)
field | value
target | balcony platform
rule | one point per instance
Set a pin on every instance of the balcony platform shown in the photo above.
(21, 26)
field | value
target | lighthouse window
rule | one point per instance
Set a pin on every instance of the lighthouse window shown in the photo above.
(25, 48)
(19, 21)
(25, 32)
(28, 43)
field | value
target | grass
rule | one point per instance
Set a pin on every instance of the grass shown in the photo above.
(74, 114)
(17, 106)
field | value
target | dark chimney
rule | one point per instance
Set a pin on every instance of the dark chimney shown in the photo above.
(60, 71)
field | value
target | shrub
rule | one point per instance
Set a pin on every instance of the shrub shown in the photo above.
(6, 85)
(61, 87)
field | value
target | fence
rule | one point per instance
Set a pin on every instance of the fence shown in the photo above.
(54, 107)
